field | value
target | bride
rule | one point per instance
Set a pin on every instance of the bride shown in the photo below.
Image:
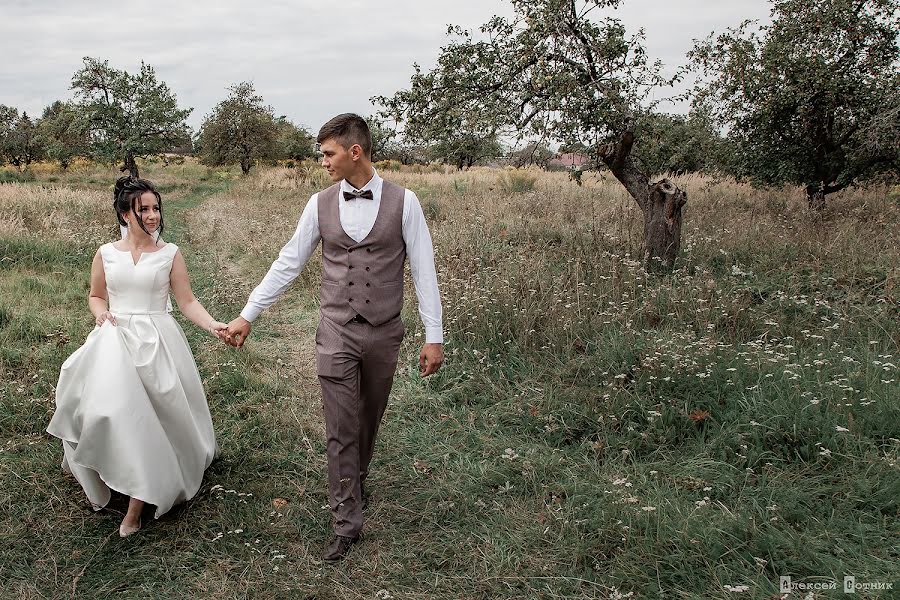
(130, 407)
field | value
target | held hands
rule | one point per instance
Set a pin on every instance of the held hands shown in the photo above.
(430, 359)
(236, 332)
(218, 329)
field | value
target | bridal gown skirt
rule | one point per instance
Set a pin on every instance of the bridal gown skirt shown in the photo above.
(132, 414)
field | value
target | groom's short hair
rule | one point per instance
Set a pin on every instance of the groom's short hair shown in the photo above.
(347, 129)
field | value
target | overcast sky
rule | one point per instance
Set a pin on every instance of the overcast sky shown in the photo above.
(309, 60)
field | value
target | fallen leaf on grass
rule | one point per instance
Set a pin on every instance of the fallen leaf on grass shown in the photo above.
(698, 416)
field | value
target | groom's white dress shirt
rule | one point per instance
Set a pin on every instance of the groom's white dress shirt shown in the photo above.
(357, 219)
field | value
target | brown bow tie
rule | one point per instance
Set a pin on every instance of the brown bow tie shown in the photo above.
(367, 194)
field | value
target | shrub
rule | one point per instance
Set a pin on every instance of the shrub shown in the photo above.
(516, 182)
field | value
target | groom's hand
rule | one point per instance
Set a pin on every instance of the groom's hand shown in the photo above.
(430, 359)
(237, 332)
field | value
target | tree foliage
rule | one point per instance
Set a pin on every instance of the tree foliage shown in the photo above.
(63, 134)
(550, 71)
(128, 116)
(239, 129)
(573, 148)
(464, 150)
(383, 139)
(534, 153)
(810, 99)
(453, 139)
(679, 144)
(20, 144)
(9, 117)
(390, 144)
(556, 71)
(294, 142)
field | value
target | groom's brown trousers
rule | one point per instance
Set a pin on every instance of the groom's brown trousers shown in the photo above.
(356, 364)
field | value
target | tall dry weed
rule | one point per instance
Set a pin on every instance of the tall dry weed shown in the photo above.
(52, 212)
(306, 175)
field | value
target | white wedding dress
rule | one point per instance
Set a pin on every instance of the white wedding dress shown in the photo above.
(130, 407)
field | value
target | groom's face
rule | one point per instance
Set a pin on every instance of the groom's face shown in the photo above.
(336, 159)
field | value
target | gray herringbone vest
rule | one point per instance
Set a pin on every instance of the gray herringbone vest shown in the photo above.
(363, 277)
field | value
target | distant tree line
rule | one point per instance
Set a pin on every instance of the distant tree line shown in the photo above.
(118, 117)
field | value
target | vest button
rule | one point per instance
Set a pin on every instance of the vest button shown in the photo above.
(367, 268)
(349, 266)
(351, 283)
(368, 249)
(368, 285)
(367, 301)
(349, 299)
(349, 249)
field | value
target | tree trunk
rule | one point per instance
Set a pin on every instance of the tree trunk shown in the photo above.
(662, 225)
(130, 165)
(661, 202)
(815, 196)
(245, 165)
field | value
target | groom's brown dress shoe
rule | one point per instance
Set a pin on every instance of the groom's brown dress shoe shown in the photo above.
(338, 548)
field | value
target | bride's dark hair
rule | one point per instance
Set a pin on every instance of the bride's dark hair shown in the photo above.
(125, 195)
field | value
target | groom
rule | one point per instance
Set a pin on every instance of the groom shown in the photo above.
(368, 227)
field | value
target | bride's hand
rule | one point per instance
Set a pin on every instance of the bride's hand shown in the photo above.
(218, 329)
(107, 316)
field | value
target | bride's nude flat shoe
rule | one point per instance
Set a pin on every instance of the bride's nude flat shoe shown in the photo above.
(125, 531)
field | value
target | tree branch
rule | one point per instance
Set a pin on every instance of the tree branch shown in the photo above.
(617, 156)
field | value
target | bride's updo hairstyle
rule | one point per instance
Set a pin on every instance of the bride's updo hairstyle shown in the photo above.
(125, 196)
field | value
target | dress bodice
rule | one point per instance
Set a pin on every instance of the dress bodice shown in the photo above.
(141, 288)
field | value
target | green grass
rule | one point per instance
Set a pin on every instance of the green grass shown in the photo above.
(595, 432)
(14, 176)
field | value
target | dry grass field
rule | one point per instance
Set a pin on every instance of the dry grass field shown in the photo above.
(596, 432)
